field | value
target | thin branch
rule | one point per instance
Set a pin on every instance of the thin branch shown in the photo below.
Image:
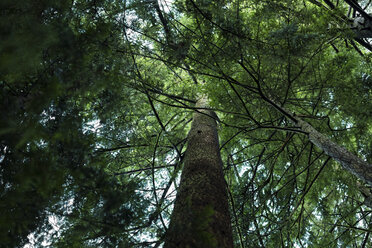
(100, 150)
(235, 215)
(143, 169)
(311, 184)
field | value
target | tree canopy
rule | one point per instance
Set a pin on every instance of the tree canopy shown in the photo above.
(97, 98)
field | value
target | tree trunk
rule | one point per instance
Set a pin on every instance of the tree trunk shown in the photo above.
(348, 160)
(201, 215)
(362, 27)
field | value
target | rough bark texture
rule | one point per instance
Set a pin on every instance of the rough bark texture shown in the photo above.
(201, 216)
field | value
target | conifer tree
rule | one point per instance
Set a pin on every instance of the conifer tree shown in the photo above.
(97, 98)
(201, 216)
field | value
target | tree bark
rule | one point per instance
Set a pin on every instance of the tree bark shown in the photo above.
(348, 160)
(201, 214)
(362, 27)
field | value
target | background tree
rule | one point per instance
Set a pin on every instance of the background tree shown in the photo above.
(96, 103)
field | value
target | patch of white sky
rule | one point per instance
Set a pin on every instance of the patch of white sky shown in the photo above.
(4, 151)
(245, 167)
(55, 222)
(166, 5)
(92, 126)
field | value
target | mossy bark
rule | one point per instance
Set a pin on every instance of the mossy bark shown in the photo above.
(201, 215)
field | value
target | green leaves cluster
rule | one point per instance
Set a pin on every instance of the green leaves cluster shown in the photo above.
(97, 97)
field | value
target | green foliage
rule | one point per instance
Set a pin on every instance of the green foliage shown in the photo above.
(96, 100)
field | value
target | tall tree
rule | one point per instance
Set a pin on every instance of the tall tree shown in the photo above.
(97, 99)
(201, 214)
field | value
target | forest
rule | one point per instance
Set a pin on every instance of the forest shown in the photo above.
(186, 123)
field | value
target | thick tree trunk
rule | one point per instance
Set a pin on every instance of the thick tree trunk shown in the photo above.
(201, 216)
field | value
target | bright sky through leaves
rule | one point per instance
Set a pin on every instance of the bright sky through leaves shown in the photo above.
(97, 100)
